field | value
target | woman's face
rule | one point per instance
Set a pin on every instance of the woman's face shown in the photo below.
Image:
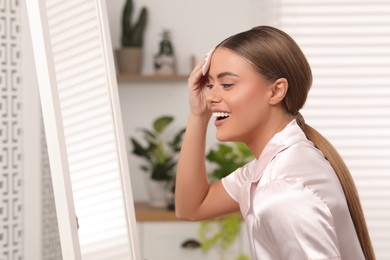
(238, 96)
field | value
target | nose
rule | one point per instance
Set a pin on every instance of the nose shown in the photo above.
(213, 95)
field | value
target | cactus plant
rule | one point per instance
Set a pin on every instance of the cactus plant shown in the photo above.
(133, 34)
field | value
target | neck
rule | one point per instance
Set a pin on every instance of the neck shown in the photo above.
(273, 125)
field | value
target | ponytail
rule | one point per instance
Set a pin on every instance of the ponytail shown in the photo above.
(347, 183)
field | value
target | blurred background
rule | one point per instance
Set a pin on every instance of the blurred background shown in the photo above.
(347, 43)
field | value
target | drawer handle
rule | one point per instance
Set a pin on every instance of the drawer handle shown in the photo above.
(190, 244)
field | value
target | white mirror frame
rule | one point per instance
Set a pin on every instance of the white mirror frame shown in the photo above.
(83, 124)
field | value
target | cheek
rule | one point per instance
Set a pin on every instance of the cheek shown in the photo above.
(251, 102)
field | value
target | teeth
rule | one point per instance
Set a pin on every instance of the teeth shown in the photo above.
(221, 114)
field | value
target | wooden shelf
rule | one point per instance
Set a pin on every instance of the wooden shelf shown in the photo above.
(151, 77)
(144, 212)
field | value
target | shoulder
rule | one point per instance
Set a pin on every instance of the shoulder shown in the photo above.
(301, 161)
(301, 152)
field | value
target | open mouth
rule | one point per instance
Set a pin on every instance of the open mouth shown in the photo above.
(221, 115)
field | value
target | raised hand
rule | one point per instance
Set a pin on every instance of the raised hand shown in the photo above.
(196, 88)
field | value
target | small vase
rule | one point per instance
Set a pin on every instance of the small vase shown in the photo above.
(158, 193)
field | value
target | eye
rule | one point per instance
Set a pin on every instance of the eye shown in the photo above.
(208, 85)
(226, 86)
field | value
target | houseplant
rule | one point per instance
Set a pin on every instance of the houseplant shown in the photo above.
(160, 158)
(129, 57)
(222, 232)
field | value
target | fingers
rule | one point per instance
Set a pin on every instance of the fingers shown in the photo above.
(196, 81)
(197, 68)
(205, 63)
(207, 60)
(196, 74)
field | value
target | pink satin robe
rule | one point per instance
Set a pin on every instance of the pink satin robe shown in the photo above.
(292, 202)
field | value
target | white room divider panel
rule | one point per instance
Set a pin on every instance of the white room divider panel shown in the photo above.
(80, 106)
(11, 170)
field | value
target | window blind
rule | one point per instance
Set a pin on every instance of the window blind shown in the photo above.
(347, 43)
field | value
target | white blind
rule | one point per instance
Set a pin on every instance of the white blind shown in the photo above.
(78, 53)
(347, 43)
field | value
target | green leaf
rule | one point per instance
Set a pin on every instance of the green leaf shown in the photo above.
(175, 144)
(230, 227)
(161, 172)
(161, 123)
(139, 150)
(159, 153)
(226, 158)
(149, 135)
(223, 236)
(145, 168)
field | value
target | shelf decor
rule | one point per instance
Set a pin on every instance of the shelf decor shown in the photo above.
(129, 57)
(165, 61)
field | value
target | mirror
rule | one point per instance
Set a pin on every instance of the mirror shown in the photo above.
(84, 132)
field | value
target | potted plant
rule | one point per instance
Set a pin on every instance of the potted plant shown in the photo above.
(160, 158)
(220, 233)
(164, 61)
(129, 57)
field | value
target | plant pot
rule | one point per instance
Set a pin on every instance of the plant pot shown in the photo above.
(165, 64)
(129, 60)
(158, 193)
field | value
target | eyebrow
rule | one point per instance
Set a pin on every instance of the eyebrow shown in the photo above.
(224, 74)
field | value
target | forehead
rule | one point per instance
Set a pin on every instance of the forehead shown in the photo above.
(225, 60)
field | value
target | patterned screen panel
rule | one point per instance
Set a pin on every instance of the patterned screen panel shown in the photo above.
(51, 245)
(11, 196)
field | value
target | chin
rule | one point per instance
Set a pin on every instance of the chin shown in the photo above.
(226, 138)
(221, 137)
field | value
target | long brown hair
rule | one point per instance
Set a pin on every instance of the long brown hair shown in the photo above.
(274, 54)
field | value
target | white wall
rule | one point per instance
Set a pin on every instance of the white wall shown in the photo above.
(196, 27)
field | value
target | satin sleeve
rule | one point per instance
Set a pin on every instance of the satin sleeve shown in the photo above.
(234, 182)
(293, 223)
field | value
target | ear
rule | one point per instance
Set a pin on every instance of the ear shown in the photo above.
(278, 91)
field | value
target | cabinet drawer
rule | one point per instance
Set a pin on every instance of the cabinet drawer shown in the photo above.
(163, 241)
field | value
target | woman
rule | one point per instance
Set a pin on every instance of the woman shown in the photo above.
(297, 197)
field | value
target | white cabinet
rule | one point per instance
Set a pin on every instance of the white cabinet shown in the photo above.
(163, 240)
